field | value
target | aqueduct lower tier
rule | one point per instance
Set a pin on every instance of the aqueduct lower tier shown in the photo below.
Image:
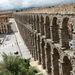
(50, 39)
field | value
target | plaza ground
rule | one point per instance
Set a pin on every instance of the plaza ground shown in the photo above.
(14, 43)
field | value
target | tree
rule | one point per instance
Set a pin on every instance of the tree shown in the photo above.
(15, 65)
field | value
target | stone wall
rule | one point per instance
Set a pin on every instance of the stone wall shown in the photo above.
(50, 37)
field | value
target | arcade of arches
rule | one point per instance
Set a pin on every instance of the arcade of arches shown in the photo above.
(4, 24)
(48, 37)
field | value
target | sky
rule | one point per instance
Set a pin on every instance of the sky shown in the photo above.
(14, 4)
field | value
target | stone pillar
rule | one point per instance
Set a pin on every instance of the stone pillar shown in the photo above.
(34, 53)
(39, 48)
(48, 58)
(73, 65)
(38, 24)
(1, 29)
(33, 44)
(60, 67)
(42, 39)
(73, 35)
(43, 53)
(47, 27)
(36, 48)
(60, 20)
(35, 38)
(32, 40)
(51, 27)
(42, 25)
(52, 69)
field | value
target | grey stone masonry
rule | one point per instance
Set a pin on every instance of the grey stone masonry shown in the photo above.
(50, 39)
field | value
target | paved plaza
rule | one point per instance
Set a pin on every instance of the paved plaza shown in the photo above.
(14, 43)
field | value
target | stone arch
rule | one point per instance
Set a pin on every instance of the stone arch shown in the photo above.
(47, 27)
(34, 25)
(48, 54)
(66, 66)
(55, 30)
(37, 24)
(42, 25)
(65, 33)
(56, 58)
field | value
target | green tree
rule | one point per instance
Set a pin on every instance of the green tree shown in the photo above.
(15, 65)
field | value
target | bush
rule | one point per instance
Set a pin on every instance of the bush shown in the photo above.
(15, 65)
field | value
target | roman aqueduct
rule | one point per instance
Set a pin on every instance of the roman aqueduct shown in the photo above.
(48, 38)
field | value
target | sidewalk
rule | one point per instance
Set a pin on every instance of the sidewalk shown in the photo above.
(20, 43)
